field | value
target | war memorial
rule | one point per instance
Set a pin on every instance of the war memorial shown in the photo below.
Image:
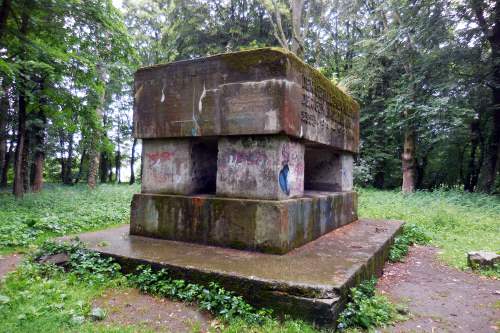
(247, 181)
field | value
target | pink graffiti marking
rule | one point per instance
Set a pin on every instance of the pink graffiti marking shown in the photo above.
(160, 156)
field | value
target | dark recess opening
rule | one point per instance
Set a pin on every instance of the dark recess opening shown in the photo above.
(320, 169)
(204, 156)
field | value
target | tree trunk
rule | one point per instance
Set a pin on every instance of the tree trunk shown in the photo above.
(491, 30)
(4, 108)
(80, 168)
(38, 171)
(39, 157)
(19, 162)
(471, 179)
(62, 160)
(132, 161)
(408, 161)
(95, 140)
(6, 165)
(491, 161)
(420, 169)
(118, 164)
(68, 177)
(18, 188)
(103, 168)
(26, 158)
(4, 14)
(297, 46)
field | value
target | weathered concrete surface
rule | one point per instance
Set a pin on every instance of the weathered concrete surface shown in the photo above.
(328, 170)
(263, 91)
(260, 225)
(179, 166)
(310, 282)
(261, 167)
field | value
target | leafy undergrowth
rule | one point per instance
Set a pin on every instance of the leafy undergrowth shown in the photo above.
(366, 309)
(412, 234)
(60, 210)
(43, 297)
(456, 222)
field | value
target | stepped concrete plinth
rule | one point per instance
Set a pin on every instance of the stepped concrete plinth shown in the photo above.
(271, 226)
(310, 282)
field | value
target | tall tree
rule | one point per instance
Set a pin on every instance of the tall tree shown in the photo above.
(487, 15)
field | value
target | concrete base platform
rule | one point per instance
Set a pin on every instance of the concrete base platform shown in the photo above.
(311, 282)
(270, 226)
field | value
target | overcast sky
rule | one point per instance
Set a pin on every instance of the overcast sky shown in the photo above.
(117, 3)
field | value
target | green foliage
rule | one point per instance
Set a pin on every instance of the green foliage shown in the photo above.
(213, 298)
(456, 222)
(45, 298)
(87, 265)
(412, 234)
(366, 309)
(59, 211)
(270, 326)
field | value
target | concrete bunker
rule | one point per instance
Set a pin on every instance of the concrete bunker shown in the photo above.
(226, 160)
(250, 155)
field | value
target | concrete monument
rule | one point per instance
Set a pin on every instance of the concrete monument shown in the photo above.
(250, 150)
(247, 181)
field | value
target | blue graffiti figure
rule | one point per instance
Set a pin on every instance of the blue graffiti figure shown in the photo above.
(283, 179)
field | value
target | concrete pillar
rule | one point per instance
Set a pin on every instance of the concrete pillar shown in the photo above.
(179, 166)
(260, 167)
(328, 170)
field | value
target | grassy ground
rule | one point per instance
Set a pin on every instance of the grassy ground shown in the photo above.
(457, 222)
(33, 300)
(60, 210)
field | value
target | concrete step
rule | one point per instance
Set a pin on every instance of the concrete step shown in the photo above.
(311, 282)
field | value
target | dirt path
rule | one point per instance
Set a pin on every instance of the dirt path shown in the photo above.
(441, 298)
(8, 263)
(157, 314)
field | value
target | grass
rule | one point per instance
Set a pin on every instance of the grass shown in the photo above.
(46, 299)
(32, 299)
(456, 222)
(60, 210)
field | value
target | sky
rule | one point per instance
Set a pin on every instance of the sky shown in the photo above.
(117, 3)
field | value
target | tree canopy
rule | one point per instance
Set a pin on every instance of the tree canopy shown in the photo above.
(426, 74)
